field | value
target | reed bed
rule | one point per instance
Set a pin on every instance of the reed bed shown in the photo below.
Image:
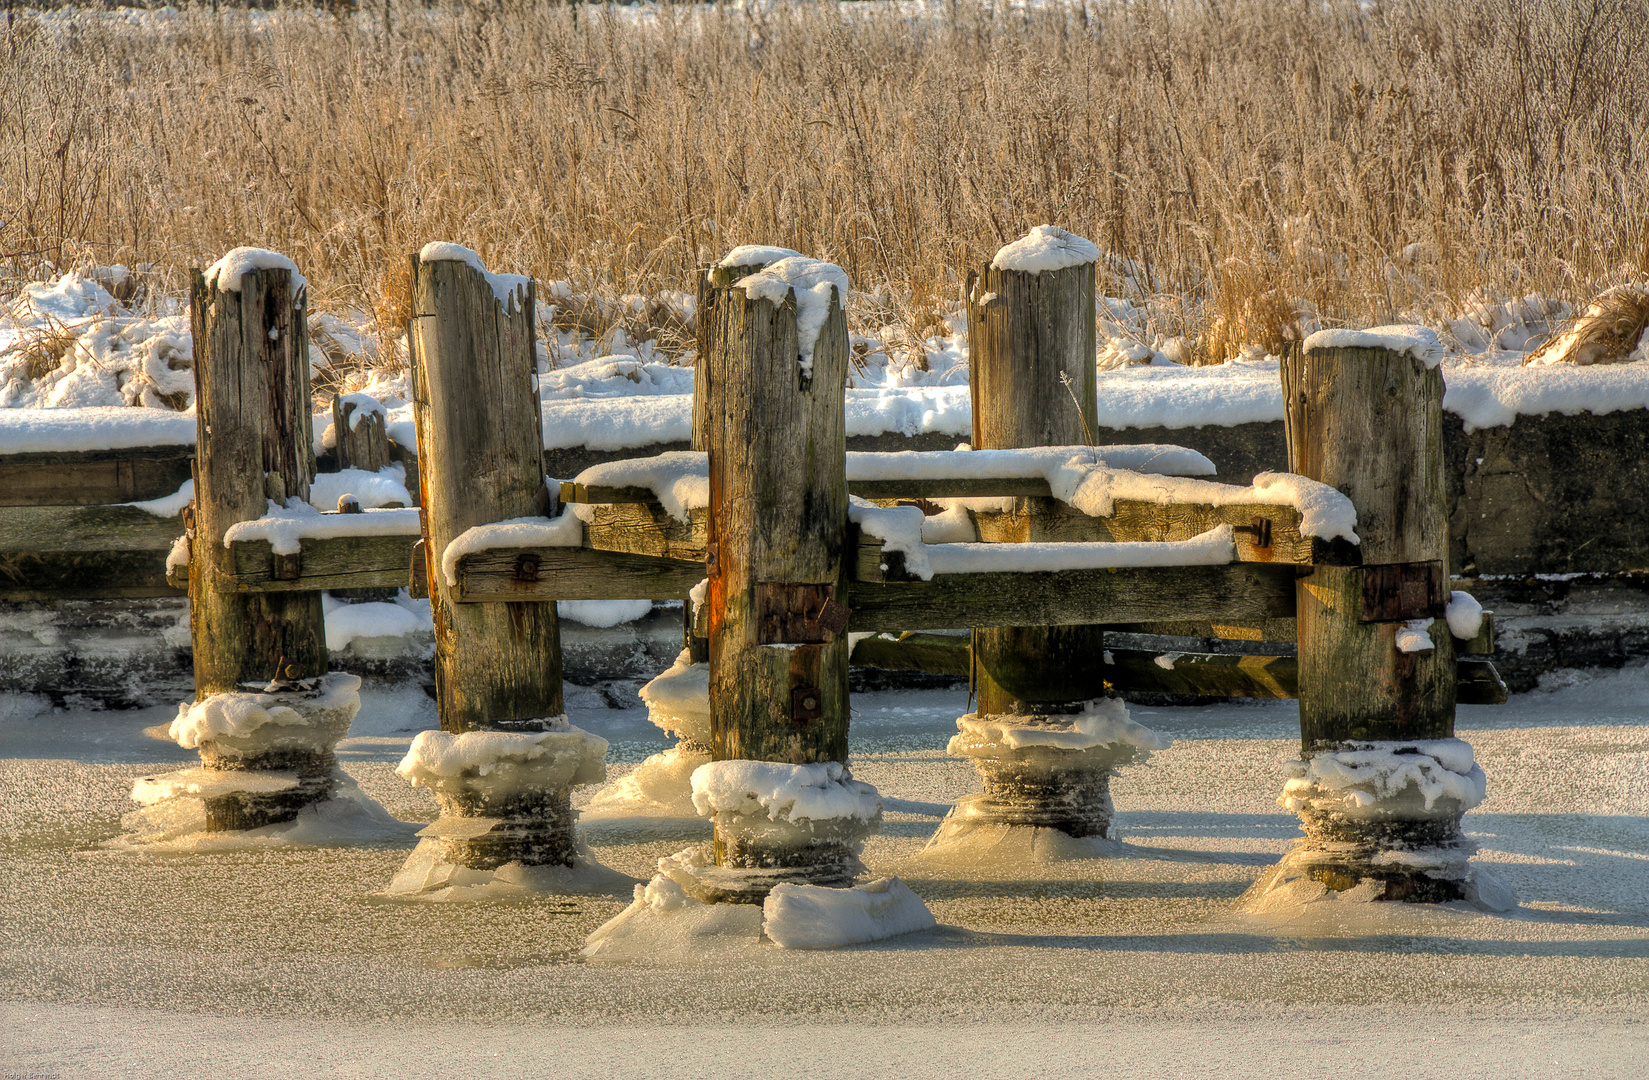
(1249, 167)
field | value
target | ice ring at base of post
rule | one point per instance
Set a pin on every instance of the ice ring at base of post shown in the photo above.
(776, 823)
(662, 786)
(1382, 822)
(1046, 782)
(507, 824)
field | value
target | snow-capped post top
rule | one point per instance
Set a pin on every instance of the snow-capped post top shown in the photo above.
(505, 287)
(226, 273)
(1417, 341)
(811, 281)
(756, 255)
(1046, 247)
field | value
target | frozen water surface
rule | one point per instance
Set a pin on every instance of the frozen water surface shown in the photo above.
(263, 962)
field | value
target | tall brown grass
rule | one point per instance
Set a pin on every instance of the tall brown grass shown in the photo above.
(1237, 156)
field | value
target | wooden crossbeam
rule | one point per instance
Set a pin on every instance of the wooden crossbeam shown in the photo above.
(645, 529)
(74, 552)
(1140, 670)
(962, 487)
(93, 477)
(344, 562)
(1235, 593)
(568, 573)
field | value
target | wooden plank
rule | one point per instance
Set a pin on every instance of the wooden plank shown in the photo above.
(40, 529)
(1235, 593)
(1138, 520)
(1139, 670)
(1478, 683)
(1482, 644)
(47, 576)
(351, 562)
(1279, 629)
(565, 573)
(93, 477)
(645, 529)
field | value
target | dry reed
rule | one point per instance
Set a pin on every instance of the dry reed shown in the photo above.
(1260, 162)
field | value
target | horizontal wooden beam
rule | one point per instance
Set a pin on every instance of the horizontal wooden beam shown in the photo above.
(1147, 671)
(645, 529)
(499, 575)
(1235, 593)
(961, 487)
(93, 477)
(345, 562)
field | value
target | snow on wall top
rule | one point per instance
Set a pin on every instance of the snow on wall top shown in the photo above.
(812, 282)
(1417, 341)
(227, 272)
(97, 427)
(757, 255)
(510, 290)
(1046, 247)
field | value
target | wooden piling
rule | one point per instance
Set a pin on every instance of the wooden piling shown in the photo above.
(363, 444)
(778, 653)
(1368, 421)
(1031, 367)
(480, 457)
(255, 443)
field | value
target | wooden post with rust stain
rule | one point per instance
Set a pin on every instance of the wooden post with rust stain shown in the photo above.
(480, 457)
(776, 439)
(1031, 367)
(255, 444)
(1368, 421)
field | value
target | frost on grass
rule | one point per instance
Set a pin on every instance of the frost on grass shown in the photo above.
(816, 286)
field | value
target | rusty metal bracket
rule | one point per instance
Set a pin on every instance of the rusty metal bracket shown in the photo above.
(712, 560)
(802, 613)
(806, 704)
(1402, 591)
(1259, 528)
(526, 567)
(418, 578)
(286, 567)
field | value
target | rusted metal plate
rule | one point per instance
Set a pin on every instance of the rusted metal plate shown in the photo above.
(287, 566)
(806, 704)
(1402, 591)
(418, 575)
(797, 614)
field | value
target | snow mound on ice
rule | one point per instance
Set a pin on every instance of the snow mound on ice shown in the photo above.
(427, 877)
(663, 919)
(661, 786)
(1045, 247)
(811, 917)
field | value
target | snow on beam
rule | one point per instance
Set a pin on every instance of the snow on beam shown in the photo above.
(497, 575)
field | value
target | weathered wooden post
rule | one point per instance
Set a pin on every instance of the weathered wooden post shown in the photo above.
(770, 407)
(503, 765)
(1382, 783)
(1043, 760)
(362, 437)
(266, 751)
